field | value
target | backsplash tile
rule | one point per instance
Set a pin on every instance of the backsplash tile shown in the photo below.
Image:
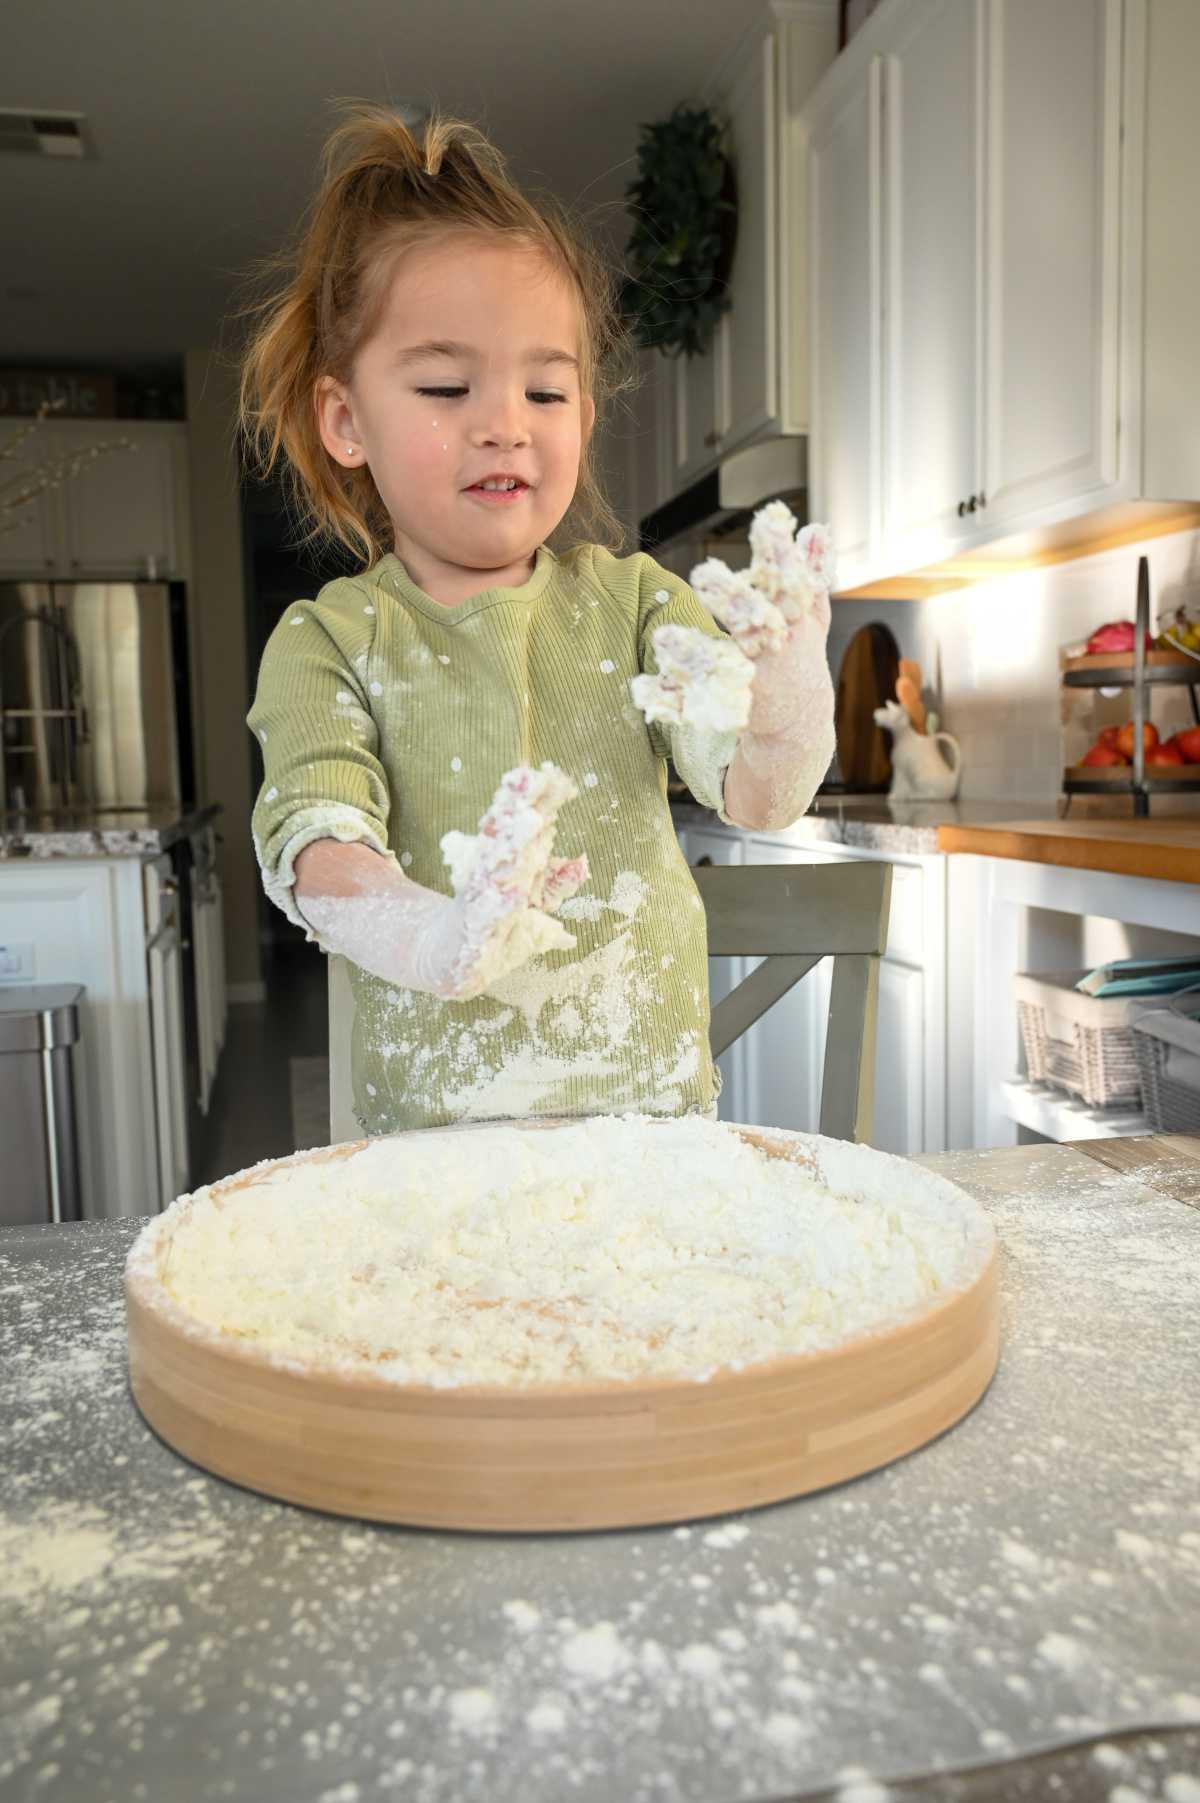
(990, 655)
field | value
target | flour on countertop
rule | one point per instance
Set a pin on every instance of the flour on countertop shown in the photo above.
(91, 1707)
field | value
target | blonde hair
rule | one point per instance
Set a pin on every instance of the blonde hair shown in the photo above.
(388, 186)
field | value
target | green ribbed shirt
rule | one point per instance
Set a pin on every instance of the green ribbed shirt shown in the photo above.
(384, 716)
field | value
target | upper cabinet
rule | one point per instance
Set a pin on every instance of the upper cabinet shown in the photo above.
(753, 380)
(122, 514)
(997, 284)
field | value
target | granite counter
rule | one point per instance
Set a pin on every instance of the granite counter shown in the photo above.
(100, 833)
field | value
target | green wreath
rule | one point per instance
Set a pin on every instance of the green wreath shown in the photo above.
(680, 252)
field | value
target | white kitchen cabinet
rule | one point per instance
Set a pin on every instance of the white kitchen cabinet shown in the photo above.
(1037, 376)
(694, 386)
(846, 311)
(86, 922)
(930, 289)
(113, 925)
(752, 382)
(31, 547)
(121, 515)
(1051, 256)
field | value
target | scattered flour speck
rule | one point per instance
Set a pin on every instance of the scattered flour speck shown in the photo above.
(473, 1711)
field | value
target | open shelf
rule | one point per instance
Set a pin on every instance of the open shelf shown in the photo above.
(1044, 1108)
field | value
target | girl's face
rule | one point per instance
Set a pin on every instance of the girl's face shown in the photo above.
(473, 373)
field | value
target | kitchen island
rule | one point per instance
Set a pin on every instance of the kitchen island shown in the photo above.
(1008, 1613)
(100, 832)
(127, 903)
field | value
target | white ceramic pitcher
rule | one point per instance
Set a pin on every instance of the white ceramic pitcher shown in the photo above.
(919, 770)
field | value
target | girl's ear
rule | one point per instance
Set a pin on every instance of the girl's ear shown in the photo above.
(587, 414)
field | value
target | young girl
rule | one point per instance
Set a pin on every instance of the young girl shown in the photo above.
(430, 372)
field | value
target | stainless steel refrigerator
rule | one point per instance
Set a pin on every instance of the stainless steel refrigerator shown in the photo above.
(95, 708)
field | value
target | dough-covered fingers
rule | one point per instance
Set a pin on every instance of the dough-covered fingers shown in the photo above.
(500, 876)
(702, 681)
(452, 946)
(563, 876)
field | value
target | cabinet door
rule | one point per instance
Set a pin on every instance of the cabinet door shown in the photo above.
(696, 429)
(750, 335)
(119, 507)
(724, 974)
(1051, 253)
(899, 1122)
(844, 360)
(31, 547)
(930, 280)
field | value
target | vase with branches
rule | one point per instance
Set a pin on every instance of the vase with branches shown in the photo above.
(19, 488)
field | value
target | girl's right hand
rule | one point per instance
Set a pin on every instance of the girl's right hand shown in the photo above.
(507, 887)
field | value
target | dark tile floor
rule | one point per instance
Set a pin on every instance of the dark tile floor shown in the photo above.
(250, 1116)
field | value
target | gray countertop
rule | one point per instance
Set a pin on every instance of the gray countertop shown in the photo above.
(873, 823)
(100, 833)
(1029, 1581)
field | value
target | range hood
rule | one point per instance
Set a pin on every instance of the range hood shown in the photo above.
(775, 469)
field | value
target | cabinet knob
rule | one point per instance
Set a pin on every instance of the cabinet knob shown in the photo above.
(982, 499)
(973, 503)
(962, 508)
(712, 438)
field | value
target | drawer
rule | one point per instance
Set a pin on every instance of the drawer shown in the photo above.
(906, 924)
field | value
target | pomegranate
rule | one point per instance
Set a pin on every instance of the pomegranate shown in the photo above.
(1118, 635)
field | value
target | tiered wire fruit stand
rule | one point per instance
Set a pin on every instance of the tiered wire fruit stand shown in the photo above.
(1141, 671)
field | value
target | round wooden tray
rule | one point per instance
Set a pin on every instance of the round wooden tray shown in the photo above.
(564, 1456)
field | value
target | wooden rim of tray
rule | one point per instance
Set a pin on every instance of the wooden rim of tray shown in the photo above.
(560, 1456)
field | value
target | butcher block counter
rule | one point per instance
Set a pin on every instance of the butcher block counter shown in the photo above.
(1099, 834)
(1009, 1613)
(1167, 848)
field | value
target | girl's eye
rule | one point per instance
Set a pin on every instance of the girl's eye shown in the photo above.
(541, 395)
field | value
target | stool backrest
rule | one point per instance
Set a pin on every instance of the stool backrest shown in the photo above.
(792, 916)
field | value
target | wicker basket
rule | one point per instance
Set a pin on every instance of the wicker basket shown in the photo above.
(1085, 1043)
(1166, 1039)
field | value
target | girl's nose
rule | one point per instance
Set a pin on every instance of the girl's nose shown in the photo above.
(503, 422)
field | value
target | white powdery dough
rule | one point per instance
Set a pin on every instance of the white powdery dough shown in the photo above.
(702, 681)
(612, 1247)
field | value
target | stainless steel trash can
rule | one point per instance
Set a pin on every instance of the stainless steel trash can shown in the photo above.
(39, 1157)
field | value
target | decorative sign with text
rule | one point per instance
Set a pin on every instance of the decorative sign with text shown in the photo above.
(80, 395)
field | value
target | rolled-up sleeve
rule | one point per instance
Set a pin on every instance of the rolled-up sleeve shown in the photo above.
(319, 742)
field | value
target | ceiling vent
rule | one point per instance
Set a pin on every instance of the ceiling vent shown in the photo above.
(43, 134)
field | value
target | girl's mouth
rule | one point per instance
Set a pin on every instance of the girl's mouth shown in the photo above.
(497, 497)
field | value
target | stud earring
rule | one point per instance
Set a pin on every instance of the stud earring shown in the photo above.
(349, 450)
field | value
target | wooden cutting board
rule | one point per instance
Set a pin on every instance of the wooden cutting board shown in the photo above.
(866, 679)
(559, 1456)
